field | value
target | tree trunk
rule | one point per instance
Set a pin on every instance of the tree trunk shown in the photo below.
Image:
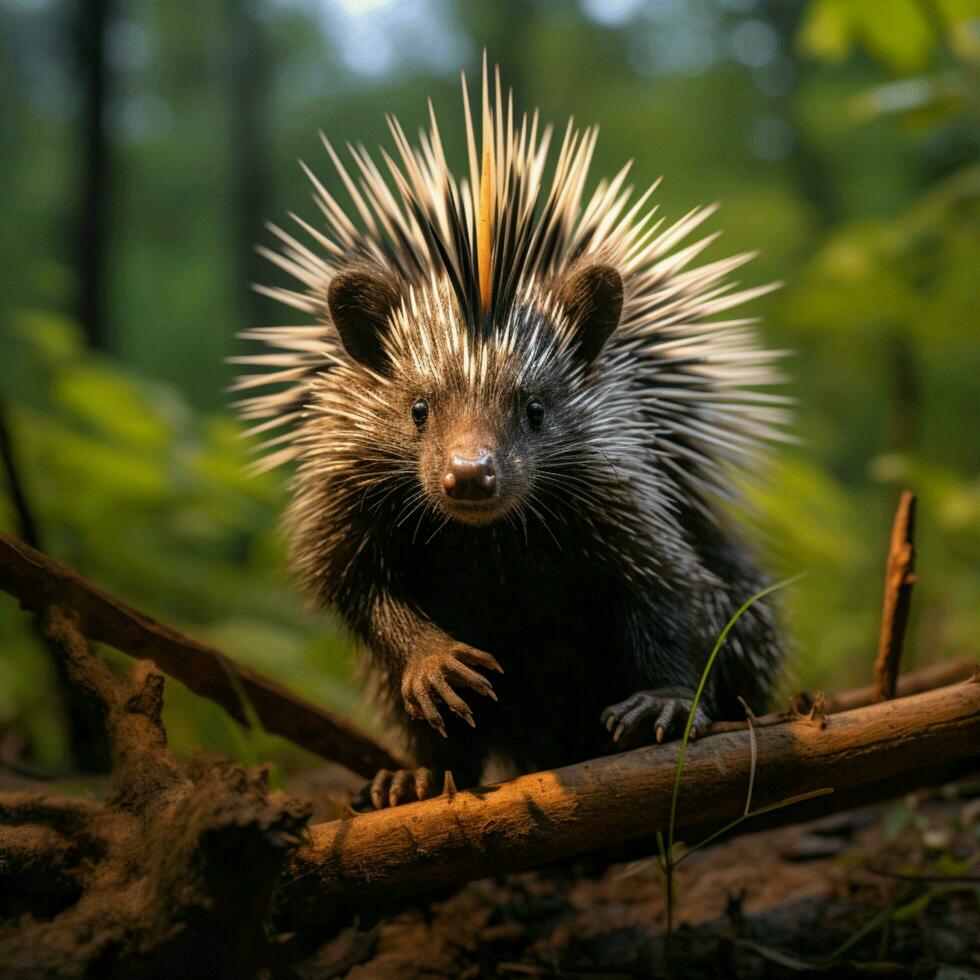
(91, 23)
(247, 73)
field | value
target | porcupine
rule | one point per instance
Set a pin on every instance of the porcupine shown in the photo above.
(514, 423)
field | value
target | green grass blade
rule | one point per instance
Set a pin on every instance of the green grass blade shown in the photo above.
(751, 601)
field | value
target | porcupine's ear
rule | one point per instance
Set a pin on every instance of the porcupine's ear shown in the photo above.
(592, 296)
(361, 300)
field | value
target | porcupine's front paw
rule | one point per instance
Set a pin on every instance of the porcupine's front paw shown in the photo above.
(433, 676)
(661, 714)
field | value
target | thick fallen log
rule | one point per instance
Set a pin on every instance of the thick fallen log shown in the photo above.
(465, 835)
(37, 581)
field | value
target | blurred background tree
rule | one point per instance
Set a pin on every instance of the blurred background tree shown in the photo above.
(146, 143)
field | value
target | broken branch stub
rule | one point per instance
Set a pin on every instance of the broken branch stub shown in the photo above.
(899, 579)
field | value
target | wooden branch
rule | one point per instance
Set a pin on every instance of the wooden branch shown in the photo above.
(899, 579)
(545, 816)
(926, 678)
(38, 581)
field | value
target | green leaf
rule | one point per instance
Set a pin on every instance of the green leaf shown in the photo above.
(112, 405)
(827, 31)
(894, 32)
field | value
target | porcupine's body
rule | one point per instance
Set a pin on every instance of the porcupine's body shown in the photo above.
(513, 426)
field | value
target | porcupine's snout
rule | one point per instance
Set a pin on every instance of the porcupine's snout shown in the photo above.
(470, 475)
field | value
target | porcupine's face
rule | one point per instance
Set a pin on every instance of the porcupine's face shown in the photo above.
(477, 426)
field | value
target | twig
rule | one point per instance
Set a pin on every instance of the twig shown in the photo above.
(899, 579)
(38, 581)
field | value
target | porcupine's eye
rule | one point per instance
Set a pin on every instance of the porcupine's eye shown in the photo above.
(535, 413)
(420, 412)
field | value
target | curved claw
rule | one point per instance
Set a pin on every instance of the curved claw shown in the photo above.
(662, 713)
(470, 655)
(420, 706)
(389, 789)
(436, 675)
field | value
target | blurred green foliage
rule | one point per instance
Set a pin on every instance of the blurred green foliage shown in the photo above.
(841, 137)
(151, 499)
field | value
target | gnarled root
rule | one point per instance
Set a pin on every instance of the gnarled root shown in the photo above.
(176, 868)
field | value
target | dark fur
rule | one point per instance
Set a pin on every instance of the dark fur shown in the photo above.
(571, 635)
(550, 599)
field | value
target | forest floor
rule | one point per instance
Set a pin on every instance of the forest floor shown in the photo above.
(888, 890)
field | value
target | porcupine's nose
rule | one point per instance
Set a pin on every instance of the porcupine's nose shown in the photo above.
(470, 476)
